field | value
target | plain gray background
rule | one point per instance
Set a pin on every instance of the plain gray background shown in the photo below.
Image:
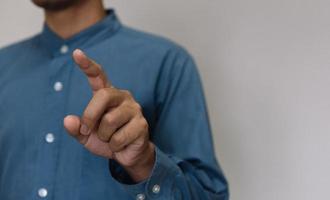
(265, 65)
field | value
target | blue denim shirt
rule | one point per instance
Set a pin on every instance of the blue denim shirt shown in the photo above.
(40, 85)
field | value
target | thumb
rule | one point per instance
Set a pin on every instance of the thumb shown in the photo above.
(72, 125)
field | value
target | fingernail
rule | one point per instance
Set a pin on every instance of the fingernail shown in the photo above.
(84, 129)
(82, 53)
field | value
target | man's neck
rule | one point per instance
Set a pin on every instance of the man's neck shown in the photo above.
(74, 19)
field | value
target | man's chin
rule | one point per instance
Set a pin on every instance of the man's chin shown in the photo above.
(55, 5)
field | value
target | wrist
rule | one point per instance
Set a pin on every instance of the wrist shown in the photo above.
(143, 167)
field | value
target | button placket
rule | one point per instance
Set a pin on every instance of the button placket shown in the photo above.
(140, 197)
(42, 192)
(64, 49)
(50, 133)
(58, 86)
(156, 189)
(49, 137)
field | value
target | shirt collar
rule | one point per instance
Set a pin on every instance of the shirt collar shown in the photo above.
(92, 35)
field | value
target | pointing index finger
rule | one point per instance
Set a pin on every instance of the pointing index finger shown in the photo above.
(95, 75)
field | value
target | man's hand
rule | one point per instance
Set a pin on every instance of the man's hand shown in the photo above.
(112, 124)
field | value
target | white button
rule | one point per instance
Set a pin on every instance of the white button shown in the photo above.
(42, 192)
(58, 86)
(50, 137)
(64, 49)
(156, 189)
(140, 197)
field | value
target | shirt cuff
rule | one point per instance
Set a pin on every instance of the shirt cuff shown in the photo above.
(159, 183)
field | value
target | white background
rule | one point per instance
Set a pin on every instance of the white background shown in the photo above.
(266, 71)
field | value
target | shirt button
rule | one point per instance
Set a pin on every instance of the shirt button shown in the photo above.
(42, 192)
(50, 137)
(156, 189)
(64, 49)
(58, 86)
(140, 197)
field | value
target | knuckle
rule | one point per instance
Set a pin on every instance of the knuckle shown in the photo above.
(132, 106)
(127, 93)
(137, 106)
(103, 93)
(110, 119)
(144, 124)
(116, 142)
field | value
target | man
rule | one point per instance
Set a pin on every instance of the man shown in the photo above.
(136, 109)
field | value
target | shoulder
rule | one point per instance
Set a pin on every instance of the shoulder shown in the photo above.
(17, 52)
(151, 43)
(18, 48)
(16, 55)
(27, 42)
(175, 59)
(146, 38)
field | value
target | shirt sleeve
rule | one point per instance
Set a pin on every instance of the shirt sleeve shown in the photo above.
(186, 166)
